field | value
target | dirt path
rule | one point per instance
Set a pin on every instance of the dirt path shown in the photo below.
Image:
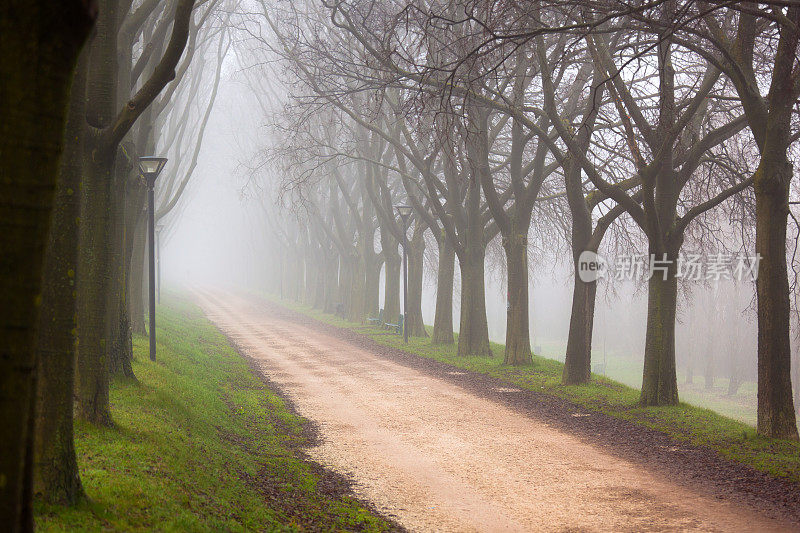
(440, 458)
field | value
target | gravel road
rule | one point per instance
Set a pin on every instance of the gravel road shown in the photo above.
(437, 457)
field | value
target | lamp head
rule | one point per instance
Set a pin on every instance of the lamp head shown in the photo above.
(404, 211)
(150, 167)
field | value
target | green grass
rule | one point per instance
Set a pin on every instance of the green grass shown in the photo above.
(627, 369)
(731, 438)
(199, 444)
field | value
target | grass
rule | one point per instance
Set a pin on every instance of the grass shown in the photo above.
(628, 370)
(699, 426)
(199, 444)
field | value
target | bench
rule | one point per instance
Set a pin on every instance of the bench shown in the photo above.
(398, 328)
(377, 321)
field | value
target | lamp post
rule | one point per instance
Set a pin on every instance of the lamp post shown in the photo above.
(405, 215)
(150, 167)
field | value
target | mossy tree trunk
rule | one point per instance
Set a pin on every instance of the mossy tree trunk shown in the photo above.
(108, 128)
(39, 45)
(136, 288)
(55, 467)
(95, 265)
(659, 381)
(121, 342)
(776, 416)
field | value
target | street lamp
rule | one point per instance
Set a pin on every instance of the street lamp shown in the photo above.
(405, 215)
(150, 167)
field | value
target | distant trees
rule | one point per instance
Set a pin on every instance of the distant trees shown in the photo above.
(641, 118)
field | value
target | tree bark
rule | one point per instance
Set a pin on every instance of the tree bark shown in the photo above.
(136, 289)
(473, 335)
(319, 294)
(372, 288)
(391, 287)
(776, 417)
(518, 343)
(39, 45)
(443, 321)
(55, 471)
(93, 286)
(578, 361)
(660, 382)
(796, 380)
(121, 342)
(578, 358)
(347, 267)
(358, 288)
(413, 319)
(94, 266)
(331, 281)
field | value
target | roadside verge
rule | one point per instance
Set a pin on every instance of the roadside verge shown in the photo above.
(202, 443)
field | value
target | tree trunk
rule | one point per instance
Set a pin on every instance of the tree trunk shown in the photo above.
(39, 44)
(660, 383)
(319, 293)
(55, 467)
(310, 289)
(121, 342)
(709, 371)
(735, 380)
(331, 282)
(372, 277)
(413, 319)
(93, 286)
(518, 342)
(346, 273)
(796, 380)
(358, 289)
(578, 361)
(136, 288)
(776, 417)
(578, 358)
(443, 321)
(94, 265)
(391, 290)
(473, 335)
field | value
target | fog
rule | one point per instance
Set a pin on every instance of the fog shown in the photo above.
(221, 236)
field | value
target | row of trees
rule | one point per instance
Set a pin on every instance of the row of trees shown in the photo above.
(76, 117)
(658, 127)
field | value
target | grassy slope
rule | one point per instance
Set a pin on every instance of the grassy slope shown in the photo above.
(190, 440)
(731, 438)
